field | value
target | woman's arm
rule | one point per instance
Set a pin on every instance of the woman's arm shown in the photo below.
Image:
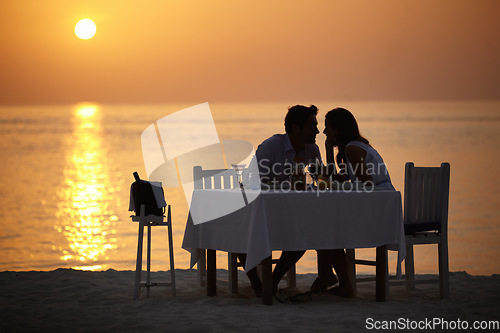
(356, 157)
(330, 159)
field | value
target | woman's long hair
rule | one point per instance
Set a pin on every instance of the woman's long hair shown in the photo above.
(345, 123)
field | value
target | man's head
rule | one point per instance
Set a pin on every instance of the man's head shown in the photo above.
(301, 123)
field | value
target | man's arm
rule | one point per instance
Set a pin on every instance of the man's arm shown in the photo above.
(264, 155)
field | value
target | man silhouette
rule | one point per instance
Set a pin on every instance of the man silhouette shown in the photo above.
(274, 157)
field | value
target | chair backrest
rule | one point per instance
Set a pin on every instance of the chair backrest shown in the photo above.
(427, 194)
(214, 178)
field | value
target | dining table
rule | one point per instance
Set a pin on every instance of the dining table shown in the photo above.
(262, 221)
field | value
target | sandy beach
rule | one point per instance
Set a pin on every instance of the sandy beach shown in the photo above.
(86, 301)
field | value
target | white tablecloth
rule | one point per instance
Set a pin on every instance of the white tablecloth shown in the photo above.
(297, 221)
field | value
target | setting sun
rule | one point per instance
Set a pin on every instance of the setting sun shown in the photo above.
(85, 29)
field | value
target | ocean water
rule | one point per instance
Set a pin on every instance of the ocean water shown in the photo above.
(66, 174)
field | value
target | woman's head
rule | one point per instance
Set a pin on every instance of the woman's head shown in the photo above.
(341, 128)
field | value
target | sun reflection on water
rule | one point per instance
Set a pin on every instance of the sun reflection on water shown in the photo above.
(86, 220)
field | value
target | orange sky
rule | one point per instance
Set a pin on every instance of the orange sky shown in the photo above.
(235, 50)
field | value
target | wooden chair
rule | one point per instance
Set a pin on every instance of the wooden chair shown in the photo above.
(426, 218)
(426, 197)
(225, 179)
(205, 179)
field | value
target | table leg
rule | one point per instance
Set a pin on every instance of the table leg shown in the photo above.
(291, 277)
(382, 274)
(351, 269)
(211, 273)
(267, 281)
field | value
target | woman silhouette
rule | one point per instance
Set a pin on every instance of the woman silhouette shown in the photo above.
(357, 161)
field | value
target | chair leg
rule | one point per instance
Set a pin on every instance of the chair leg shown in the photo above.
(410, 267)
(171, 251)
(444, 275)
(232, 263)
(351, 269)
(148, 262)
(138, 262)
(202, 268)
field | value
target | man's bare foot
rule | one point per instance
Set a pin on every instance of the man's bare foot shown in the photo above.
(321, 285)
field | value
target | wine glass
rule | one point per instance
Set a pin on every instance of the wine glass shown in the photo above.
(313, 170)
(238, 168)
